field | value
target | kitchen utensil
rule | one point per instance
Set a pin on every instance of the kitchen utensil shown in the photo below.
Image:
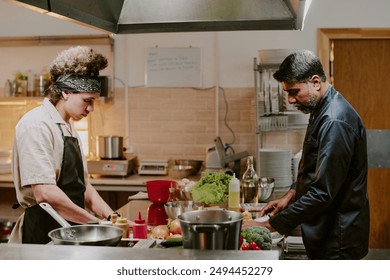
(180, 171)
(176, 208)
(109, 147)
(196, 165)
(211, 229)
(153, 167)
(113, 167)
(266, 188)
(252, 207)
(158, 190)
(6, 227)
(95, 235)
(157, 215)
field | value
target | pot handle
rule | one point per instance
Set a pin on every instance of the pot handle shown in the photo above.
(55, 215)
(205, 228)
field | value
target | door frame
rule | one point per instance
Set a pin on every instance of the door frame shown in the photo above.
(326, 35)
(325, 38)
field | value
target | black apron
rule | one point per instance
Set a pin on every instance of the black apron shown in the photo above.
(37, 222)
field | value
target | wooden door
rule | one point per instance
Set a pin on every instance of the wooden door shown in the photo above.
(361, 72)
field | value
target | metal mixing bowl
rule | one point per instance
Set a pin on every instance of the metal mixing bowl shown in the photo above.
(266, 188)
(176, 208)
(195, 164)
(180, 171)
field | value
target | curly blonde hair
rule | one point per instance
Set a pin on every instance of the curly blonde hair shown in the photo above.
(79, 60)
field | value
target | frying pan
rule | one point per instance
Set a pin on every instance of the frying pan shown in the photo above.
(93, 235)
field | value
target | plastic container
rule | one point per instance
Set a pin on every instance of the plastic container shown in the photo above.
(140, 230)
(8, 89)
(234, 194)
(123, 224)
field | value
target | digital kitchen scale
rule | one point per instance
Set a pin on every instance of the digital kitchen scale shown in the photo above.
(153, 167)
(112, 167)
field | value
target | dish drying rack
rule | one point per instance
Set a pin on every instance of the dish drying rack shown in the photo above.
(273, 122)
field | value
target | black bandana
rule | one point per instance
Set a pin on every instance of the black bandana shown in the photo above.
(77, 84)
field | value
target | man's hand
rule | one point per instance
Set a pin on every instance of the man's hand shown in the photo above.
(253, 223)
(275, 206)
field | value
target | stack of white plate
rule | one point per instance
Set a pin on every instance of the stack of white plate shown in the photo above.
(276, 163)
(295, 163)
(5, 161)
(294, 244)
(297, 119)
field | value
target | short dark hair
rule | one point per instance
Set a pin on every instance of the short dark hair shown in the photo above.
(299, 67)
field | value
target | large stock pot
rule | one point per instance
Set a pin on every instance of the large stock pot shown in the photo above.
(109, 147)
(211, 229)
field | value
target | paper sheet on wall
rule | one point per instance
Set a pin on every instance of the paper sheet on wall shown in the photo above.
(173, 67)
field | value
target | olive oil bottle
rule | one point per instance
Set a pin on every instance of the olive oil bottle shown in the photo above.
(250, 183)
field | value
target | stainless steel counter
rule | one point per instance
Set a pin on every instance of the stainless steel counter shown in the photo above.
(64, 252)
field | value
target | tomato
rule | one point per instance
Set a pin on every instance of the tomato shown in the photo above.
(253, 245)
(245, 247)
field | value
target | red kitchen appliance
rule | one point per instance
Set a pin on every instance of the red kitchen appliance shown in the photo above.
(157, 215)
(158, 193)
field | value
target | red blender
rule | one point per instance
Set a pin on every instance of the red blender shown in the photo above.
(158, 193)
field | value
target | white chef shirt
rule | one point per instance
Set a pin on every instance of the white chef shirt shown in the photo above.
(38, 150)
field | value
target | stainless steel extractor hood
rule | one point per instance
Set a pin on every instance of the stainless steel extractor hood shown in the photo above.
(152, 16)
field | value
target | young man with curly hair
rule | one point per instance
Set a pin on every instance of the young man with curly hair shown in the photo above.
(48, 165)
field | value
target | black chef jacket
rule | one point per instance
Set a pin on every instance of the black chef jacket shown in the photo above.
(331, 188)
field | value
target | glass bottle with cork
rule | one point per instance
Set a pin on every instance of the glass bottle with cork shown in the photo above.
(250, 183)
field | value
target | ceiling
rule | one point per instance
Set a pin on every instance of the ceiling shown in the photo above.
(153, 16)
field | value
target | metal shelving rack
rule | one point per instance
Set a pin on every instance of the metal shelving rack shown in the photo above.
(269, 118)
(265, 119)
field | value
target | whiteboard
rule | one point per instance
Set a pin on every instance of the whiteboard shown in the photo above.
(173, 67)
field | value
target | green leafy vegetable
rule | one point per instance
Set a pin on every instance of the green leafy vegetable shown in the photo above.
(212, 188)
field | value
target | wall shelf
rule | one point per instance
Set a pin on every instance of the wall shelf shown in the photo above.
(24, 53)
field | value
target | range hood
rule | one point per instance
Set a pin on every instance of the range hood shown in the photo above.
(152, 16)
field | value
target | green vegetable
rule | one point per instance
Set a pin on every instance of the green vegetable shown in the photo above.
(258, 234)
(213, 187)
(172, 242)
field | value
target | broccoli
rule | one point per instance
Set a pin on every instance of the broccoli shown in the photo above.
(258, 234)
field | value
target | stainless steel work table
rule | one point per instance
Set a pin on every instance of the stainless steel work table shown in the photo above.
(66, 252)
